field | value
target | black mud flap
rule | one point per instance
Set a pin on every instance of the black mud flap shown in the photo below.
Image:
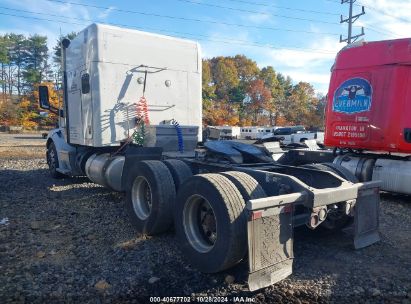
(366, 215)
(270, 242)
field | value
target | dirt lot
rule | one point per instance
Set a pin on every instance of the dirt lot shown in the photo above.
(70, 241)
(22, 145)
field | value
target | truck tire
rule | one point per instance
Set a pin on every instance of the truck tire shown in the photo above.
(179, 170)
(338, 219)
(53, 161)
(150, 198)
(210, 222)
(248, 186)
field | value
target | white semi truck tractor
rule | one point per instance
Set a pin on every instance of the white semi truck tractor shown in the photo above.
(131, 121)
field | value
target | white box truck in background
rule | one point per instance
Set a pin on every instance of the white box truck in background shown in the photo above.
(222, 132)
(131, 122)
(250, 132)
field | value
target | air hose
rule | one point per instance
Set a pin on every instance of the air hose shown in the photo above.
(179, 135)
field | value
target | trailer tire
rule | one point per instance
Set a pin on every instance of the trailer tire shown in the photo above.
(341, 220)
(179, 170)
(248, 186)
(53, 161)
(210, 222)
(150, 198)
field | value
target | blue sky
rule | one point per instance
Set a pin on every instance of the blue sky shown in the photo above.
(298, 38)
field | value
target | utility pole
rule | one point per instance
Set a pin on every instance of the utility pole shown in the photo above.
(350, 20)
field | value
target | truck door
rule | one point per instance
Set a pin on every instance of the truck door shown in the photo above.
(74, 107)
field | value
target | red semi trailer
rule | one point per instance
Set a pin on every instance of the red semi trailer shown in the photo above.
(368, 112)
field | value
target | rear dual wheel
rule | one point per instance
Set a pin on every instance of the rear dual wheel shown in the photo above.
(151, 198)
(210, 220)
(179, 170)
(246, 184)
(209, 216)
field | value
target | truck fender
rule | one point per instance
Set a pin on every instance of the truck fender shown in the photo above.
(63, 150)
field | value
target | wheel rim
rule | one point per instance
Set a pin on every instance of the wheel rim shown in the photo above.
(200, 223)
(52, 159)
(141, 197)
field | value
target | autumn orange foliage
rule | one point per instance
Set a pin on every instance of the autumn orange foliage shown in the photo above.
(28, 110)
(220, 113)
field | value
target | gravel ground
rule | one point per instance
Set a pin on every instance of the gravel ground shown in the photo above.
(70, 241)
(22, 145)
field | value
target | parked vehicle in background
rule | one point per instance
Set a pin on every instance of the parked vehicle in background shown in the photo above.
(256, 132)
(222, 132)
(295, 135)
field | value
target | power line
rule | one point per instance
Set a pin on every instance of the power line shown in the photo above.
(283, 7)
(223, 40)
(215, 22)
(373, 9)
(42, 19)
(257, 12)
(380, 12)
(383, 12)
(375, 29)
(187, 19)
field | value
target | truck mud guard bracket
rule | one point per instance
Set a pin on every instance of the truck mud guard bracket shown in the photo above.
(366, 215)
(270, 239)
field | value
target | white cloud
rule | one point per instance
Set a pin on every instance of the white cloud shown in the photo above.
(29, 26)
(213, 46)
(299, 59)
(319, 80)
(257, 18)
(387, 19)
(65, 9)
(314, 66)
(105, 13)
(306, 65)
(301, 65)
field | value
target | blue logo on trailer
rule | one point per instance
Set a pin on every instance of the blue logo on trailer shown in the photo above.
(353, 96)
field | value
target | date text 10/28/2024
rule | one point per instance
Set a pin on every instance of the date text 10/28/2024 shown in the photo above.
(202, 299)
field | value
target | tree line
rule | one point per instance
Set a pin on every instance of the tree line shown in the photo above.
(24, 64)
(235, 90)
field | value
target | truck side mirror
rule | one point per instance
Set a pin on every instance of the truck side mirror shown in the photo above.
(44, 101)
(44, 97)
